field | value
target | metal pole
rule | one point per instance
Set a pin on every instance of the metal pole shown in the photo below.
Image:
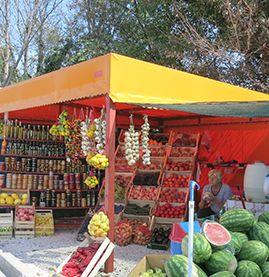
(191, 217)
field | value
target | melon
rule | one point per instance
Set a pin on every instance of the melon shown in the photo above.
(242, 236)
(201, 248)
(255, 251)
(223, 274)
(221, 260)
(216, 234)
(236, 242)
(237, 220)
(265, 269)
(248, 269)
(177, 265)
(264, 217)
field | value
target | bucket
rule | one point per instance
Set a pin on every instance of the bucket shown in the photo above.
(178, 232)
(254, 178)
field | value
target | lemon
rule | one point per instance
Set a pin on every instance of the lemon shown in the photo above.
(3, 195)
(17, 201)
(2, 200)
(24, 201)
(24, 196)
(15, 196)
(9, 200)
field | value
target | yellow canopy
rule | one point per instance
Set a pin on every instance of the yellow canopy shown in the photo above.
(129, 80)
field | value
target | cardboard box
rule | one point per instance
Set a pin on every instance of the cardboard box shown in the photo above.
(149, 262)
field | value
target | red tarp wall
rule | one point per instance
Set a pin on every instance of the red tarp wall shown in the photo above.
(245, 142)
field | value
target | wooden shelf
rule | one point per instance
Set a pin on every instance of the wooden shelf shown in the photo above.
(63, 190)
(64, 208)
(34, 156)
(32, 172)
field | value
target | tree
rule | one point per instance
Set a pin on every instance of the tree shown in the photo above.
(20, 21)
(228, 40)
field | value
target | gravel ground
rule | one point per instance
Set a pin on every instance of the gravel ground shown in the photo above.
(46, 252)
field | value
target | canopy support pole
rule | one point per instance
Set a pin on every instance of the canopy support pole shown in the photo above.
(110, 174)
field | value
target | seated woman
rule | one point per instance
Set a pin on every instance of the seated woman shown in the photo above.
(214, 195)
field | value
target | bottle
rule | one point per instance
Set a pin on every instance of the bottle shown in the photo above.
(88, 199)
(43, 133)
(34, 133)
(30, 149)
(20, 131)
(9, 147)
(24, 132)
(29, 132)
(16, 129)
(46, 150)
(48, 133)
(93, 199)
(4, 147)
(5, 134)
(8, 129)
(15, 147)
(11, 132)
(38, 133)
(26, 148)
(22, 148)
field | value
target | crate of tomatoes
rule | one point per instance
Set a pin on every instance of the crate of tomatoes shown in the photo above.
(169, 212)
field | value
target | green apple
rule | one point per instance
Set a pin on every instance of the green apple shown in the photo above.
(150, 272)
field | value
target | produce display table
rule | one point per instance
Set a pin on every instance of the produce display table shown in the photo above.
(255, 208)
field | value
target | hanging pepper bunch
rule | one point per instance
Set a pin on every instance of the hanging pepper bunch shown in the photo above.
(63, 126)
(73, 144)
(145, 139)
(100, 132)
(131, 144)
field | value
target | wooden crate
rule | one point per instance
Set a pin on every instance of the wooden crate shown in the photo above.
(140, 201)
(6, 225)
(46, 230)
(24, 229)
(158, 246)
(98, 259)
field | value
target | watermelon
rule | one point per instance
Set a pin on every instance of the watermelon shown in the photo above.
(255, 251)
(262, 235)
(242, 236)
(235, 242)
(265, 269)
(201, 248)
(217, 235)
(177, 265)
(254, 230)
(248, 269)
(223, 274)
(221, 260)
(237, 220)
(264, 217)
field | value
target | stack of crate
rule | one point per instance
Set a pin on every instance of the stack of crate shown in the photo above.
(6, 225)
(24, 221)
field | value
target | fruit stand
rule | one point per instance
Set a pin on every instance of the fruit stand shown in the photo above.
(112, 81)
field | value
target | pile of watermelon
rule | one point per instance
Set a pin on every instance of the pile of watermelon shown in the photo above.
(237, 245)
